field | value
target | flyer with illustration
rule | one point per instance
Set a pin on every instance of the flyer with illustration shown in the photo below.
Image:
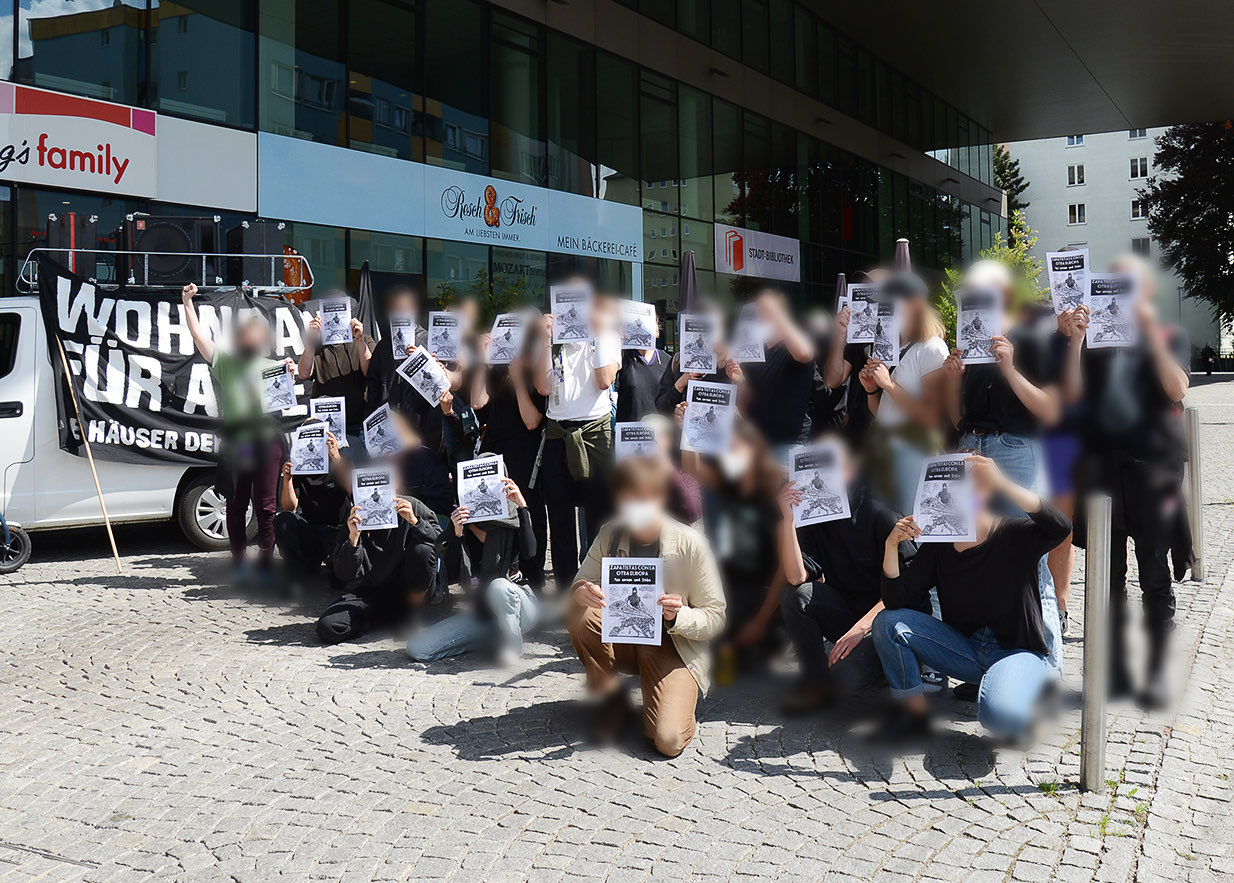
(632, 588)
(945, 506)
(710, 411)
(1068, 275)
(979, 317)
(571, 305)
(819, 473)
(444, 335)
(278, 388)
(480, 489)
(372, 489)
(402, 333)
(750, 336)
(886, 334)
(381, 435)
(862, 302)
(331, 410)
(336, 321)
(309, 454)
(638, 325)
(425, 375)
(698, 343)
(634, 439)
(1111, 304)
(506, 340)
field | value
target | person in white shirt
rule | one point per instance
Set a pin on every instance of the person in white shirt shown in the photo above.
(578, 437)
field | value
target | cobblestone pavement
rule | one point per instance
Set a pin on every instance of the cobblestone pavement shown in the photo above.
(158, 725)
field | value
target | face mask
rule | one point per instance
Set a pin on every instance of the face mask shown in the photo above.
(638, 515)
(247, 353)
(734, 464)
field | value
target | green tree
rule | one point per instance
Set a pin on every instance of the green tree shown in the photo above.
(1007, 177)
(1189, 200)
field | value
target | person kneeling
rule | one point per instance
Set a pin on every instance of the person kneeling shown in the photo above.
(674, 671)
(385, 572)
(504, 611)
(991, 631)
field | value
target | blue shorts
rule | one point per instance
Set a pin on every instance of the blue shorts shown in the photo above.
(1061, 452)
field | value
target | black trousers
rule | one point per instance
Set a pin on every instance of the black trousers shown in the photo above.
(816, 611)
(302, 545)
(562, 495)
(533, 568)
(367, 607)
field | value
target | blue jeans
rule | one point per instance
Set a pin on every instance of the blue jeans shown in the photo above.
(1011, 680)
(1020, 459)
(514, 610)
(906, 463)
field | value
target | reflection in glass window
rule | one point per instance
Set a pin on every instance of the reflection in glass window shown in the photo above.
(34, 206)
(187, 39)
(517, 72)
(658, 142)
(726, 144)
(302, 70)
(571, 115)
(616, 148)
(381, 94)
(520, 277)
(456, 131)
(455, 269)
(694, 126)
(90, 47)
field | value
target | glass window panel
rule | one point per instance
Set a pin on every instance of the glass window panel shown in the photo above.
(658, 10)
(517, 72)
(913, 133)
(454, 269)
(846, 74)
(381, 92)
(694, 19)
(456, 127)
(805, 37)
(699, 237)
(661, 244)
(783, 181)
(782, 54)
(187, 38)
(726, 26)
(7, 24)
(886, 213)
(90, 47)
(658, 136)
(393, 259)
(617, 127)
(882, 97)
(571, 115)
(325, 248)
(865, 103)
(694, 122)
(726, 146)
(302, 71)
(520, 277)
(758, 203)
(828, 62)
(755, 34)
(899, 106)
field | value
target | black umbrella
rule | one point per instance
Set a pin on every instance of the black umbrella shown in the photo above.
(902, 262)
(366, 312)
(841, 288)
(687, 291)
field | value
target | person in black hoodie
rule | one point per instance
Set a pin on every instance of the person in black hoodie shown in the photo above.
(385, 573)
(991, 631)
(313, 507)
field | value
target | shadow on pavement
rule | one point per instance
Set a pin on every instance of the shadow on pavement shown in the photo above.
(526, 730)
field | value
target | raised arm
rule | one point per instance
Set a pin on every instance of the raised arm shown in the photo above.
(837, 369)
(311, 339)
(544, 360)
(204, 344)
(1073, 324)
(786, 537)
(1043, 403)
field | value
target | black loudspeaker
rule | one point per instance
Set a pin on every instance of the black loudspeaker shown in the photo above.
(79, 233)
(255, 238)
(182, 241)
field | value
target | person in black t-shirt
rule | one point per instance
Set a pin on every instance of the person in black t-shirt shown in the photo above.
(833, 571)
(1134, 450)
(313, 508)
(991, 632)
(778, 389)
(841, 361)
(638, 383)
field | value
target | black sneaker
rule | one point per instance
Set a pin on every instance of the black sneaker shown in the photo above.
(808, 699)
(966, 692)
(902, 725)
(933, 681)
(611, 718)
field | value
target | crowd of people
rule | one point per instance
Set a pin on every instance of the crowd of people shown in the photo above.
(867, 609)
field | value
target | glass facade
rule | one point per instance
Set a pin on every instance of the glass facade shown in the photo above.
(465, 85)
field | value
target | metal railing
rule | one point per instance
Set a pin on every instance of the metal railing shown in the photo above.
(135, 267)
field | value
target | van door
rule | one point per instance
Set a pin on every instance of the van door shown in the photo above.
(20, 340)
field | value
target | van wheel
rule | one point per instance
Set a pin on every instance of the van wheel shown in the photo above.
(202, 515)
(17, 552)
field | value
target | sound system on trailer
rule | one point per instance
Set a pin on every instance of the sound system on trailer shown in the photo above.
(255, 238)
(70, 230)
(182, 241)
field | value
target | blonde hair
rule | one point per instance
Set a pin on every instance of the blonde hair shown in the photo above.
(928, 325)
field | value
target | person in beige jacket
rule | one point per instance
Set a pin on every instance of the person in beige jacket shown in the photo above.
(672, 673)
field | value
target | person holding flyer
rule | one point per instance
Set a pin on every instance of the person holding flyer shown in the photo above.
(338, 369)
(252, 447)
(991, 631)
(844, 360)
(312, 508)
(674, 671)
(638, 381)
(777, 390)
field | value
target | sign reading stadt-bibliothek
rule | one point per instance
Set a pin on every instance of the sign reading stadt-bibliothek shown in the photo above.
(745, 252)
(77, 143)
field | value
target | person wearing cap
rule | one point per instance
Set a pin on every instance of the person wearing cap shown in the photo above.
(906, 400)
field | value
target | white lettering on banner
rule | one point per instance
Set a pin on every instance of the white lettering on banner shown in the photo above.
(745, 252)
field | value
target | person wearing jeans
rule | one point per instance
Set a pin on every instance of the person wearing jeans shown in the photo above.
(991, 632)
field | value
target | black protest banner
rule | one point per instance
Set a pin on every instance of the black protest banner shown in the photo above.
(144, 391)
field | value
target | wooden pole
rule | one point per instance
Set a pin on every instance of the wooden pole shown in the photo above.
(68, 375)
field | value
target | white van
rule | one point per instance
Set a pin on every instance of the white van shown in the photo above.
(43, 487)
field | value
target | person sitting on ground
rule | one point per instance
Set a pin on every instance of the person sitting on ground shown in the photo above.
(991, 632)
(673, 672)
(504, 610)
(313, 507)
(833, 570)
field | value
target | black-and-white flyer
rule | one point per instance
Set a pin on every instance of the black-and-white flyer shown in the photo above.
(1068, 275)
(638, 325)
(571, 305)
(698, 343)
(402, 333)
(506, 341)
(634, 439)
(425, 375)
(710, 411)
(381, 435)
(332, 410)
(1111, 304)
(886, 334)
(945, 507)
(444, 335)
(819, 473)
(750, 336)
(632, 588)
(979, 317)
(862, 304)
(372, 489)
(336, 321)
(278, 388)
(481, 491)
(309, 454)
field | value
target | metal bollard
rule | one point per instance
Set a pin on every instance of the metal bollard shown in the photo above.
(1195, 492)
(1096, 644)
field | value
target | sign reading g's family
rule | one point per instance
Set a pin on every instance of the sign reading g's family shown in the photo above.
(144, 391)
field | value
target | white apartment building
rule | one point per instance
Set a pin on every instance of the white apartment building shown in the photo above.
(1084, 193)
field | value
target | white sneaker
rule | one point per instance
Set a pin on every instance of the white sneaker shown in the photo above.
(507, 657)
